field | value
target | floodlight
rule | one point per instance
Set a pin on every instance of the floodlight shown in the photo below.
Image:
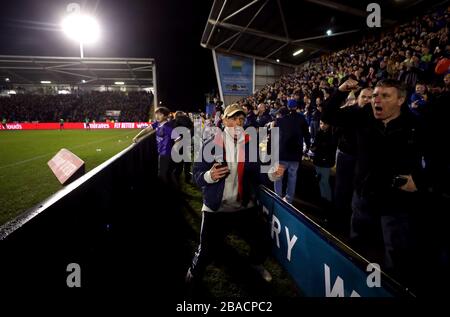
(81, 28)
(298, 52)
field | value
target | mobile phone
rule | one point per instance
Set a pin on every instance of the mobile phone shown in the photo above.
(399, 181)
(221, 164)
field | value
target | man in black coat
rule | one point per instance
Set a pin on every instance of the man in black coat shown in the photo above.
(182, 120)
(389, 176)
(346, 160)
(293, 131)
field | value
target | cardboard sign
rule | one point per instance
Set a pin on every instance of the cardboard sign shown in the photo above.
(66, 166)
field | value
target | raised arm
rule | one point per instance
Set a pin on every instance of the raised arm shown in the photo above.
(142, 134)
(342, 117)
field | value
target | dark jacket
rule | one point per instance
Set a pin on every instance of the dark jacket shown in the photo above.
(324, 149)
(420, 102)
(213, 193)
(346, 137)
(184, 121)
(264, 119)
(250, 120)
(346, 140)
(382, 152)
(315, 123)
(293, 131)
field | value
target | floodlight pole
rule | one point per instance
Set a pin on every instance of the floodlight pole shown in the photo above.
(81, 50)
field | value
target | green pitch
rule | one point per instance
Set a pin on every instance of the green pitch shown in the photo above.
(26, 179)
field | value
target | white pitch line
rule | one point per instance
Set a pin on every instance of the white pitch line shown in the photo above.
(48, 154)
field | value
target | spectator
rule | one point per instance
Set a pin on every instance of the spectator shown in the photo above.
(182, 120)
(250, 117)
(163, 129)
(263, 117)
(134, 106)
(382, 71)
(411, 73)
(419, 99)
(324, 149)
(315, 118)
(346, 159)
(293, 131)
(86, 124)
(389, 174)
(229, 192)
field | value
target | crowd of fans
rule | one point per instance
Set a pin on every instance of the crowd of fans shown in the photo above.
(415, 55)
(413, 59)
(133, 107)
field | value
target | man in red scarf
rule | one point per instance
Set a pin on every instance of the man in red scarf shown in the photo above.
(229, 185)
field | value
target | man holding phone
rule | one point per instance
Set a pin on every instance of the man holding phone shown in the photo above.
(389, 175)
(229, 186)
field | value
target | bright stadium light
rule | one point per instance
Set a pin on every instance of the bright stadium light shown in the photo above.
(119, 83)
(329, 32)
(6, 79)
(46, 82)
(83, 29)
(278, 60)
(298, 52)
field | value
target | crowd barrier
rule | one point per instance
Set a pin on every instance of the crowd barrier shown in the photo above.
(125, 228)
(320, 264)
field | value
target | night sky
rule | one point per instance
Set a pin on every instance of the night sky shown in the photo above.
(167, 30)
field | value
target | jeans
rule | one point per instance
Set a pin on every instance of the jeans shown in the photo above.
(343, 188)
(291, 168)
(392, 224)
(314, 127)
(324, 182)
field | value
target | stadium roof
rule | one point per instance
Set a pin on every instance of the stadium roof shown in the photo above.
(275, 29)
(76, 71)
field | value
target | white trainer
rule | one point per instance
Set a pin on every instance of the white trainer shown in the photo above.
(266, 276)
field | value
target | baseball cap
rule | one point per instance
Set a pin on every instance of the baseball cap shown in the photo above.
(232, 109)
(292, 103)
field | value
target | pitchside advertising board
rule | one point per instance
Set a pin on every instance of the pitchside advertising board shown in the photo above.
(318, 266)
(74, 126)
